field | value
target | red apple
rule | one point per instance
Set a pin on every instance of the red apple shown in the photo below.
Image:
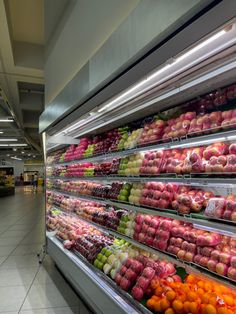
(137, 293)
(211, 265)
(221, 269)
(232, 273)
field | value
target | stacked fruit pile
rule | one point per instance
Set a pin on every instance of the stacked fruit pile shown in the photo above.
(195, 295)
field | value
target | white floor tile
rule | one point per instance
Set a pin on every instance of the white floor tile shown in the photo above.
(17, 277)
(26, 249)
(47, 296)
(9, 241)
(47, 276)
(21, 261)
(55, 310)
(11, 298)
(6, 250)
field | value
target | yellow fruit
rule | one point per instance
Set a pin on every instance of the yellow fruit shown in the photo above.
(192, 296)
(193, 307)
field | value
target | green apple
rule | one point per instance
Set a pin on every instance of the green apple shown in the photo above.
(100, 265)
(100, 256)
(104, 259)
(96, 262)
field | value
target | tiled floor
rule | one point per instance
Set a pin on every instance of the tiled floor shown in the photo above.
(25, 286)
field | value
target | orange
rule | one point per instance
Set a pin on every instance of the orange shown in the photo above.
(192, 296)
(200, 292)
(228, 300)
(186, 306)
(191, 279)
(158, 291)
(201, 284)
(223, 310)
(193, 307)
(213, 300)
(150, 304)
(169, 311)
(165, 304)
(205, 298)
(177, 305)
(209, 309)
(208, 287)
(170, 295)
(157, 307)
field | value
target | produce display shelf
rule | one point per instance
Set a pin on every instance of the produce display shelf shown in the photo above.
(184, 180)
(174, 143)
(188, 266)
(228, 229)
(102, 296)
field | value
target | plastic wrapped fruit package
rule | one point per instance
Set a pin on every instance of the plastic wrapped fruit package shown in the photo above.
(135, 193)
(194, 295)
(152, 132)
(194, 162)
(152, 162)
(222, 208)
(133, 139)
(133, 165)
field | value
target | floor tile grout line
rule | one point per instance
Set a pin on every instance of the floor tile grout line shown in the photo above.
(29, 288)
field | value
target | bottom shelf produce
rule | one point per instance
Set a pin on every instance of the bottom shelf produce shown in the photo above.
(156, 284)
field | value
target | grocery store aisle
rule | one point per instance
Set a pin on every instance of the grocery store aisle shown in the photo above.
(25, 286)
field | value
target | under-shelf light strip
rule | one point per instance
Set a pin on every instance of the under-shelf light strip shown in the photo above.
(139, 87)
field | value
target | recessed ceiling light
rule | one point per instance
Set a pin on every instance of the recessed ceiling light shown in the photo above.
(8, 155)
(34, 156)
(1, 132)
(16, 158)
(14, 149)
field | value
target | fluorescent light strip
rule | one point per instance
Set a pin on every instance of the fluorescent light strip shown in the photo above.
(6, 120)
(142, 86)
(12, 145)
(8, 140)
(16, 158)
(1, 132)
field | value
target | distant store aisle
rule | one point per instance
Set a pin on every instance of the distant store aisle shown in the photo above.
(25, 286)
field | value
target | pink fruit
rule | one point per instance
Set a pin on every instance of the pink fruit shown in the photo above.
(211, 265)
(123, 270)
(151, 231)
(137, 267)
(177, 278)
(148, 272)
(225, 258)
(197, 258)
(137, 293)
(181, 254)
(118, 278)
(221, 269)
(189, 257)
(143, 282)
(125, 284)
(233, 261)
(130, 275)
(203, 261)
(232, 273)
(232, 149)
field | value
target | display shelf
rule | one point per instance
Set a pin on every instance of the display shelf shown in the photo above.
(102, 296)
(190, 267)
(200, 223)
(188, 141)
(181, 179)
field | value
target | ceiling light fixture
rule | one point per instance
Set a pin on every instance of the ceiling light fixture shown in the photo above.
(6, 120)
(8, 139)
(195, 54)
(1, 132)
(16, 158)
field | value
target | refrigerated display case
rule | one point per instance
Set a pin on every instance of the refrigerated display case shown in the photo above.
(142, 204)
(7, 181)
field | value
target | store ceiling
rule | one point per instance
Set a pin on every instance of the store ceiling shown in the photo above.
(21, 73)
